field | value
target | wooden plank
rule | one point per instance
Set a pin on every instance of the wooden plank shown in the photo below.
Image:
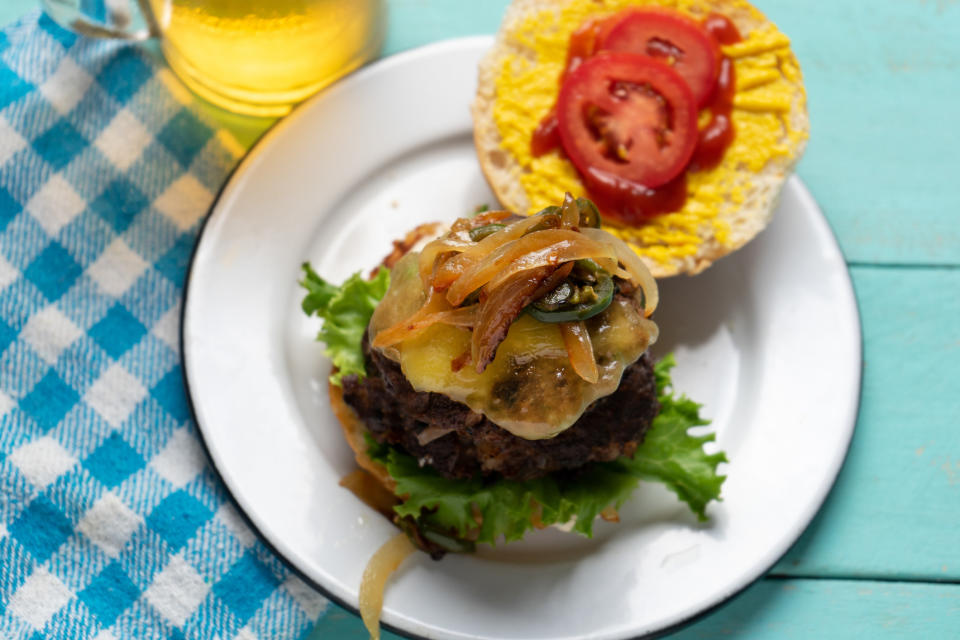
(417, 22)
(895, 509)
(801, 609)
(826, 609)
(882, 84)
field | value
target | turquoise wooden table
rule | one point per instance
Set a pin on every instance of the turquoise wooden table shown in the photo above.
(882, 559)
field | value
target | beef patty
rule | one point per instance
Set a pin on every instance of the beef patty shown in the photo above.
(470, 445)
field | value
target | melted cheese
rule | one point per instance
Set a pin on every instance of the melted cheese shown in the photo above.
(530, 388)
(768, 84)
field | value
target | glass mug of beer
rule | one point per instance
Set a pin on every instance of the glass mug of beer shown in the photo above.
(258, 57)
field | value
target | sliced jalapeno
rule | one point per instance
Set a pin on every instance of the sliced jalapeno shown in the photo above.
(589, 214)
(587, 270)
(479, 233)
(559, 296)
(570, 303)
(551, 220)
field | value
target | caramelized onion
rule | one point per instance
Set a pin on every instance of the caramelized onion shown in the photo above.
(498, 312)
(563, 254)
(551, 247)
(580, 350)
(552, 281)
(453, 267)
(569, 213)
(462, 317)
(456, 241)
(384, 562)
(433, 432)
(610, 514)
(638, 271)
(450, 243)
(435, 303)
(472, 222)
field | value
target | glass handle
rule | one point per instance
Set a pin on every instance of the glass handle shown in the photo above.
(115, 19)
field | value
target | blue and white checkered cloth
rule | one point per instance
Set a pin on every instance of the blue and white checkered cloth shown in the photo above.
(112, 522)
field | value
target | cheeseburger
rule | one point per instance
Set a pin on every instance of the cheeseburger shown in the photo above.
(501, 380)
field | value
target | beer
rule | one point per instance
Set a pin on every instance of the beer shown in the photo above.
(262, 56)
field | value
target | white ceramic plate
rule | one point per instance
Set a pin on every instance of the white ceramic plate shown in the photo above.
(768, 340)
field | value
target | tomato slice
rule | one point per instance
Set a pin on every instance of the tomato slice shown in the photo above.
(626, 117)
(583, 44)
(673, 39)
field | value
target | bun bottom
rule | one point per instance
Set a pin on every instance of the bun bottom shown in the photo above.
(353, 431)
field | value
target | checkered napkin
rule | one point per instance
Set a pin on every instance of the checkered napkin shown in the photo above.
(112, 522)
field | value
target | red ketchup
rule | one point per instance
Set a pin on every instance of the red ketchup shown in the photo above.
(631, 203)
(718, 134)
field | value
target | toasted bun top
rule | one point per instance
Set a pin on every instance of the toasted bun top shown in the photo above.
(726, 206)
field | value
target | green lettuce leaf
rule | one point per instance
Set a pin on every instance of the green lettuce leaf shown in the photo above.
(668, 454)
(345, 311)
